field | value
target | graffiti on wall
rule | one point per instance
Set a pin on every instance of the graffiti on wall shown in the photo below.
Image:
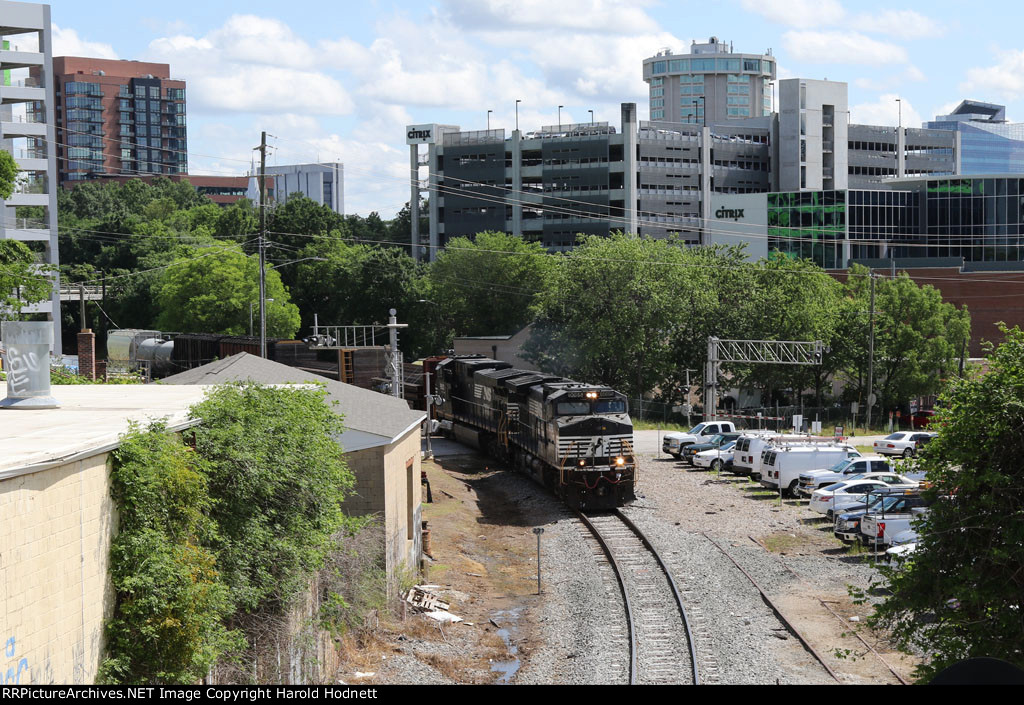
(12, 676)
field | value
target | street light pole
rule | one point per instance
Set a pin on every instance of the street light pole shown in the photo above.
(262, 244)
(591, 117)
(489, 119)
(518, 101)
(560, 117)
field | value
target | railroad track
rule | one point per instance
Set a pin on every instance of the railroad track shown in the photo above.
(660, 643)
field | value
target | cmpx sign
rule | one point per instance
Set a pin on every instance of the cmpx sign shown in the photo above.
(420, 134)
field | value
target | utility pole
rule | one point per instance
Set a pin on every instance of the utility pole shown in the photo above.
(263, 244)
(871, 354)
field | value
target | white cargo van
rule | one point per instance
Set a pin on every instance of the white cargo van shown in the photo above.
(746, 456)
(782, 465)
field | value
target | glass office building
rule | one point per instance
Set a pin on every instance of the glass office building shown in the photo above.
(989, 144)
(977, 218)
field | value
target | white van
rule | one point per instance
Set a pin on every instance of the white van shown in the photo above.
(782, 465)
(746, 456)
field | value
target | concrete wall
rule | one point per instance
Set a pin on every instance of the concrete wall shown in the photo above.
(382, 487)
(56, 527)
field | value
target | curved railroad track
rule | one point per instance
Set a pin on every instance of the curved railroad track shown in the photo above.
(661, 646)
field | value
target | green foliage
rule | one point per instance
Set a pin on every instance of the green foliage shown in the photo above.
(960, 596)
(488, 285)
(918, 338)
(278, 479)
(168, 623)
(62, 376)
(293, 223)
(211, 292)
(22, 281)
(610, 309)
(8, 174)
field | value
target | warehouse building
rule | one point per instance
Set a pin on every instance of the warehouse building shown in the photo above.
(381, 443)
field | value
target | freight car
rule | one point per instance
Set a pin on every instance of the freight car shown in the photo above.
(574, 438)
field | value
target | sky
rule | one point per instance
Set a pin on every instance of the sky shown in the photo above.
(339, 81)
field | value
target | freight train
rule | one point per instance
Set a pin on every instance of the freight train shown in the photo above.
(574, 438)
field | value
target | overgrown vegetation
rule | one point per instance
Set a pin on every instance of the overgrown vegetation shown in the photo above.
(960, 596)
(220, 535)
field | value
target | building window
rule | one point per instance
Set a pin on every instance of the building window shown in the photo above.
(657, 81)
(657, 92)
(752, 65)
(679, 65)
(659, 67)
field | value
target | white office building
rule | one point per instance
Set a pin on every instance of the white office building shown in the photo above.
(28, 134)
(323, 182)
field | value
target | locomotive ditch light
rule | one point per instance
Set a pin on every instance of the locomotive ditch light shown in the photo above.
(620, 461)
(582, 463)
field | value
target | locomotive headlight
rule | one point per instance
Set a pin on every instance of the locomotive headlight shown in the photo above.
(582, 463)
(591, 395)
(620, 461)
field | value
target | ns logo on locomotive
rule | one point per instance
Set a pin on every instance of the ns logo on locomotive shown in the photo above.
(574, 438)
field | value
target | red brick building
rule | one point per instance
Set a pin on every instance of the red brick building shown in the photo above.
(118, 118)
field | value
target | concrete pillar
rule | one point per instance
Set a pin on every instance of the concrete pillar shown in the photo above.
(705, 183)
(901, 152)
(629, 168)
(414, 200)
(517, 183)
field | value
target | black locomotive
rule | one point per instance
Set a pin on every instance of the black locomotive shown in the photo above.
(574, 438)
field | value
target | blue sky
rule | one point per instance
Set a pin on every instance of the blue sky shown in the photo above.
(339, 80)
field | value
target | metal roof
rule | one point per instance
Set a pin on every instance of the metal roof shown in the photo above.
(376, 419)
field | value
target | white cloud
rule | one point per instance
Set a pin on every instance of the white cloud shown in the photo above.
(885, 111)
(251, 64)
(66, 42)
(841, 48)
(804, 14)
(591, 16)
(905, 24)
(1004, 80)
(890, 80)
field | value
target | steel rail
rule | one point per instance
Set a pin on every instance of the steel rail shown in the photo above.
(778, 613)
(675, 591)
(633, 667)
(824, 604)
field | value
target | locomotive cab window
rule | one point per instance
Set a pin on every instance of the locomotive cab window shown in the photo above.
(610, 407)
(573, 408)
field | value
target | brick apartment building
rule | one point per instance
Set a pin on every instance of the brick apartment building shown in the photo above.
(118, 118)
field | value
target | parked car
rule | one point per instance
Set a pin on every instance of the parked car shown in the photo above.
(674, 442)
(903, 546)
(921, 419)
(717, 459)
(862, 501)
(782, 465)
(847, 524)
(841, 494)
(715, 443)
(816, 479)
(904, 443)
(879, 528)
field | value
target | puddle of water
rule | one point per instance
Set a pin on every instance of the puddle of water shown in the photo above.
(508, 668)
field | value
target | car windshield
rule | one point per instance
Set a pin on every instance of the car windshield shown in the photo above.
(698, 428)
(728, 446)
(717, 440)
(840, 466)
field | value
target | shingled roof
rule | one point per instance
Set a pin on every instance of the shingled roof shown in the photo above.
(371, 418)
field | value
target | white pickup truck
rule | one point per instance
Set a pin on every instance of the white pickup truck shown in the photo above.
(880, 528)
(674, 442)
(816, 479)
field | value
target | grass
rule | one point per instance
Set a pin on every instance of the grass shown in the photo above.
(645, 425)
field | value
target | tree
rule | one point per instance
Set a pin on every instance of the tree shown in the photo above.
(960, 595)
(918, 338)
(211, 290)
(277, 478)
(490, 284)
(301, 220)
(610, 310)
(22, 281)
(8, 174)
(167, 625)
